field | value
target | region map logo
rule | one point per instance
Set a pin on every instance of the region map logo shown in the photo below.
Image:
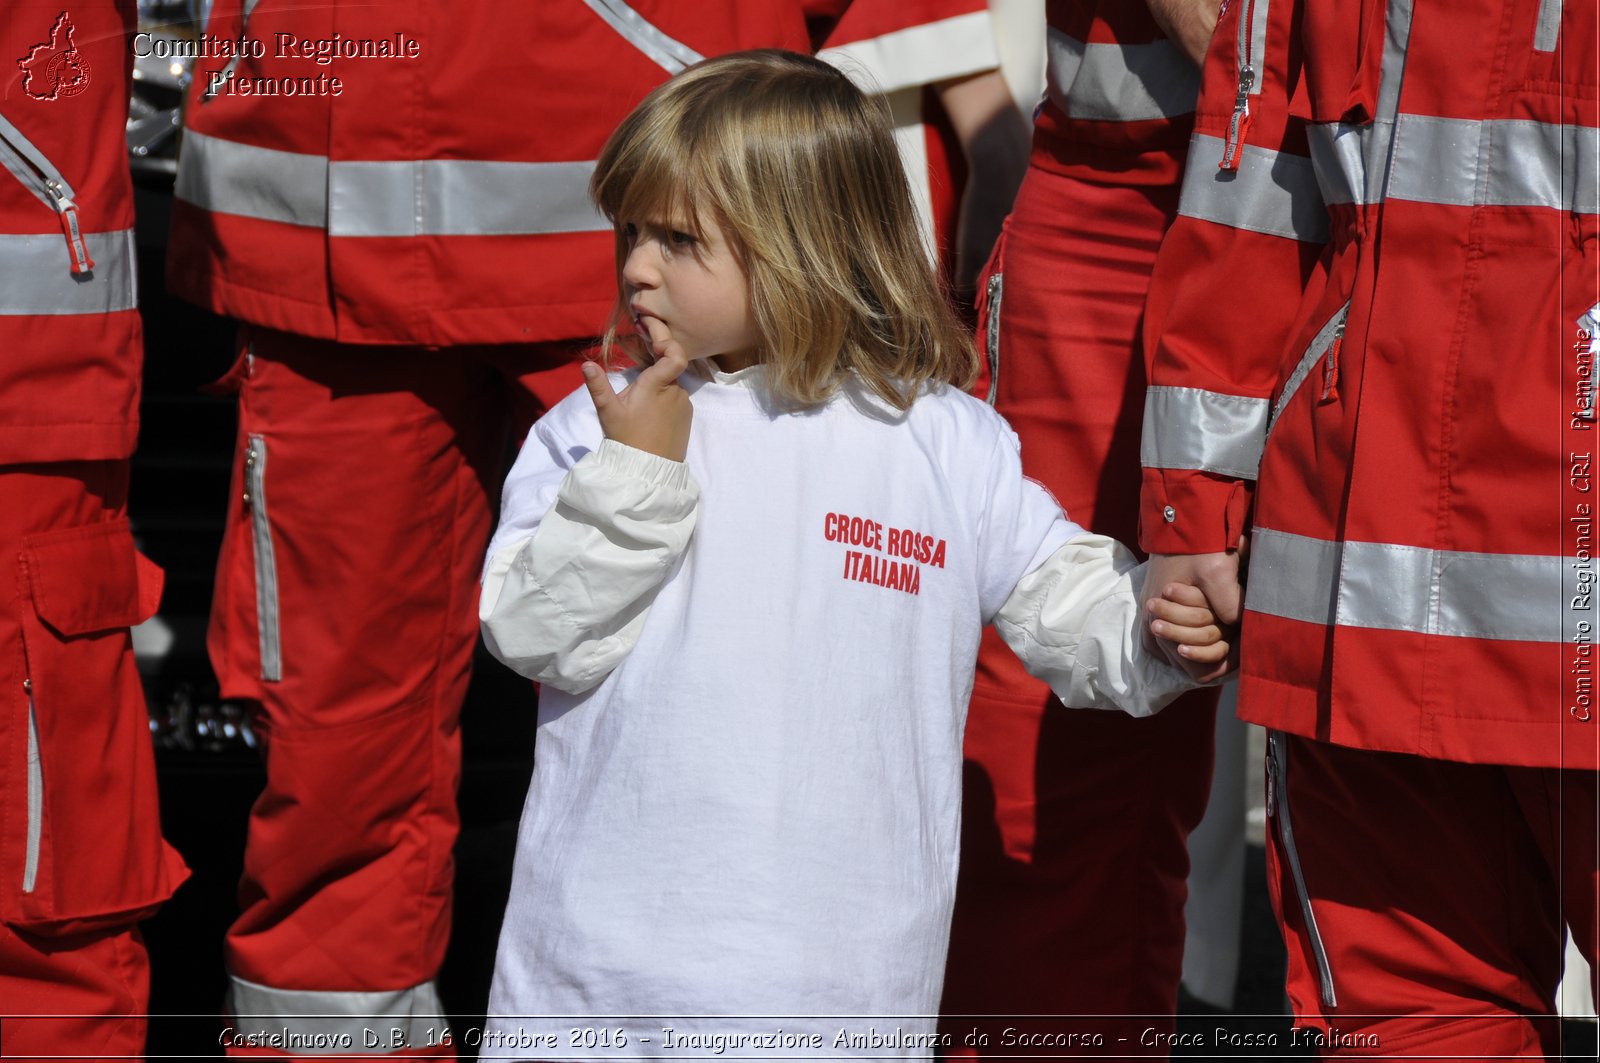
(55, 69)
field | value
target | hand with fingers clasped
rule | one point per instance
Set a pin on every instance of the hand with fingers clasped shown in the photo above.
(1182, 618)
(654, 412)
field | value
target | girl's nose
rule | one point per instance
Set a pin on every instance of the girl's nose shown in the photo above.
(638, 269)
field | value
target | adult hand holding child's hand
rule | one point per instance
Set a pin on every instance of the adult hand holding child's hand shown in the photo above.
(1182, 618)
(653, 413)
(1208, 581)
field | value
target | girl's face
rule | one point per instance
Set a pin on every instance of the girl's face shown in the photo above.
(689, 288)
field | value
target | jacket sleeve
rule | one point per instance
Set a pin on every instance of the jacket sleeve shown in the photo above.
(1226, 287)
(1074, 622)
(565, 597)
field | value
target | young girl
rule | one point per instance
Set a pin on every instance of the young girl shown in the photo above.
(757, 636)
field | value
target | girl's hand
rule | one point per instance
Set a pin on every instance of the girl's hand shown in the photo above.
(653, 413)
(1183, 617)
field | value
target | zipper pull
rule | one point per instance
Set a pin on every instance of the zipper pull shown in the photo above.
(1239, 124)
(1330, 368)
(67, 211)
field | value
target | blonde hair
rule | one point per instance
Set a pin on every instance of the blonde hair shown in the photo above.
(799, 170)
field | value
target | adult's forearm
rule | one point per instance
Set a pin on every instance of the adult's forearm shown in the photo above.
(1187, 23)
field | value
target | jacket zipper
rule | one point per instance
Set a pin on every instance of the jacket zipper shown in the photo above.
(30, 865)
(1325, 343)
(255, 498)
(991, 336)
(246, 10)
(29, 165)
(1239, 123)
(1278, 813)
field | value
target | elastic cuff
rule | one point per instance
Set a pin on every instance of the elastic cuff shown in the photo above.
(641, 464)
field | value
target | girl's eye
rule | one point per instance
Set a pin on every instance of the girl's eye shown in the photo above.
(630, 232)
(682, 239)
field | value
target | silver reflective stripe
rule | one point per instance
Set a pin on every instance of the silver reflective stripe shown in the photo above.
(1187, 428)
(1385, 586)
(450, 197)
(30, 864)
(1352, 161)
(228, 177)
(1272, 192)
(1392, 66)
(430, 197)
(1499, 163)
(1341, 155)
(255, 475)
(1278, 769)
(1319, 346)
(322, 1017)
(1292, 576)
(36, 275)
(992, 335)
(669, 54)
(1120, 82)
(1548, 28)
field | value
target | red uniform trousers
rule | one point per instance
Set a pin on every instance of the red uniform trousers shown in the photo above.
(346, 609)
(1074, 859)
(80, 844)
(1422, 900)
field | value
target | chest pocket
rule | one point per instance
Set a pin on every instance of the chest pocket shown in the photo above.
(1553, 48)
(666, 52)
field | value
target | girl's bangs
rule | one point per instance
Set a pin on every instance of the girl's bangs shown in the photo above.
(660, 187)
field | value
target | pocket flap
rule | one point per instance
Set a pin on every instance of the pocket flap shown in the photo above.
(91, 578)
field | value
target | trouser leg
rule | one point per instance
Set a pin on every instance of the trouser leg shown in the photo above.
(80, 843)
(346, 609)
(79, 995)
(1418, 901)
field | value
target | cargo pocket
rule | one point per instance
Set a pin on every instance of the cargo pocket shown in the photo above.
(83, 847)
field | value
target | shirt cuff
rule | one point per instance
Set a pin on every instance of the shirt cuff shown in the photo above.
(623, 460)
(1187, 512)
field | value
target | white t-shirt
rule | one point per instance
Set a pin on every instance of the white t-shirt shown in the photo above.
(750, 807)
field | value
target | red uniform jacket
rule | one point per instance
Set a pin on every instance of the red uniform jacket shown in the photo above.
(1370, 302)
(69, 380)
(441, 197)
